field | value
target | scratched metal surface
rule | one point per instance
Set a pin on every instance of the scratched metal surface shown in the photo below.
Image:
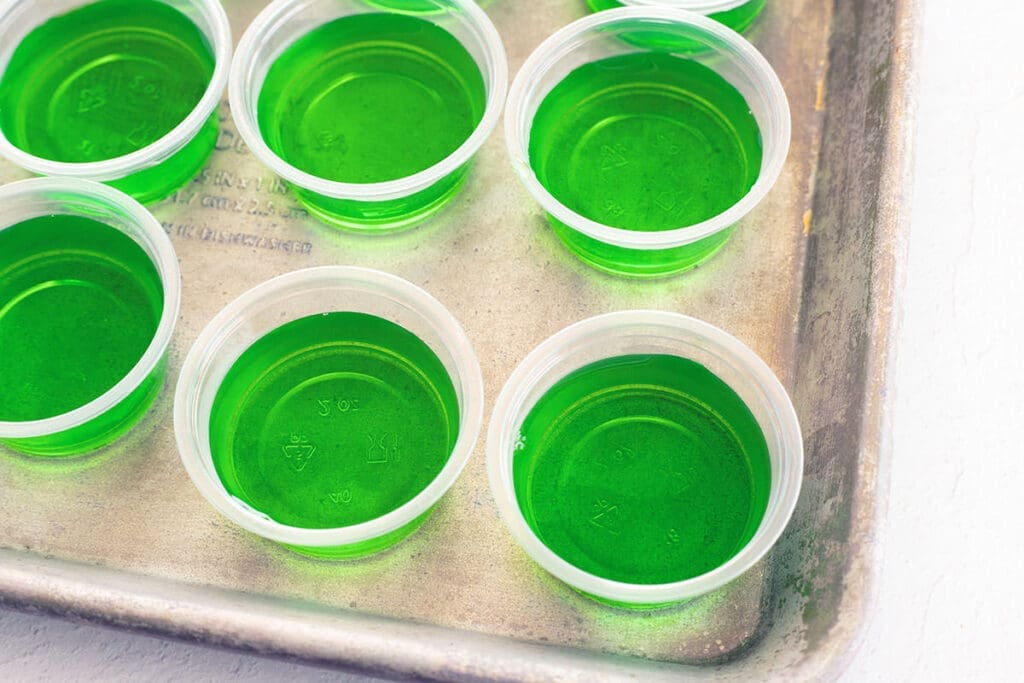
(807, 282)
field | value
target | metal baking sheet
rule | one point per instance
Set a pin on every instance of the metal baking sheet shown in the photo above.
(807, 282)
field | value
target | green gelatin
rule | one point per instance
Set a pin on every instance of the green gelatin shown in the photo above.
(645, 469)
(79, 304)
(106, 80)
(645, 141)
(332, 420)
(371, 98)
(738, 18)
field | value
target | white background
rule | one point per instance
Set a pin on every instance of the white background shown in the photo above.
(948, 603)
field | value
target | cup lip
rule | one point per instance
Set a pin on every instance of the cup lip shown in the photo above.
(166, 263)
(517, 135)
(248, 127)
(194, 448)
(160, 149)
(702, 6)
(537, 363)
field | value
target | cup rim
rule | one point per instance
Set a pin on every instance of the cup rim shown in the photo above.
(194, 448)
(166, 263)
(248, 127)
(702, 6)
(163, 147)
(500, 449)
(517, 135)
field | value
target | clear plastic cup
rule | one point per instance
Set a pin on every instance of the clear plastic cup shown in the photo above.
(113, 413)
(736, 14)
(161, 167)
(296, 296)
(630, 333)
(615, 32)
(375, 207)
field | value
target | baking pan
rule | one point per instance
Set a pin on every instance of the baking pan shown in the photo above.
(807, 281)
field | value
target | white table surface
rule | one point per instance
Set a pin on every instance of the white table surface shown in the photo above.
(949, 601)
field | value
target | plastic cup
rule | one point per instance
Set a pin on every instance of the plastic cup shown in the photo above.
(646, 332)
(376, 207)
(161, 167)
(736, 14)
(113, 413)
(296, 296)
(624, 251)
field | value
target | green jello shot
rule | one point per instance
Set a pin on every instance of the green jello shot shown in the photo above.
(329, 410)
(660, 463)
(371, 111)
(124, 92)
(736, 14)
(644, 458)
(89, 294)
(643, 154)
